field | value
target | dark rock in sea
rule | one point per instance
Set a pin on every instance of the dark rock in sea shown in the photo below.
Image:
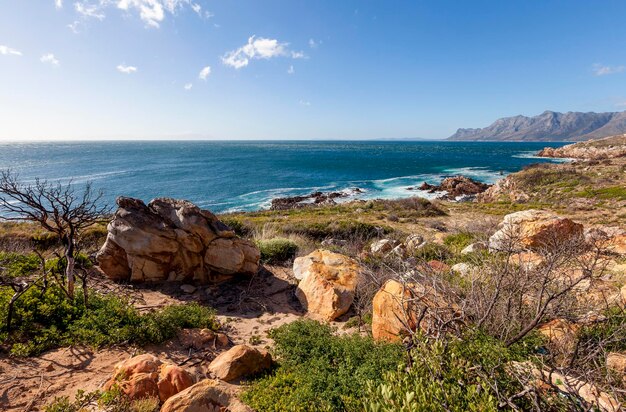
(458, 188)
(315, 198)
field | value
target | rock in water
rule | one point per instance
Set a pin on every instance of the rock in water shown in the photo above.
(173, 240)
(240, 361)
(534, 230)
(327, 285)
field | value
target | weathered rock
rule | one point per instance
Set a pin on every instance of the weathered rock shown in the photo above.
(383, 246)
(616, 362)
(146, 376)
(398, 307)
(413, 242)
(612, 238)
(534, 230)
(207, 395)
(438, 266)
(327, 285)
(607, 148)
(455, 187)
(506, 189)
(172, 240)
(315, 198)
(463, 269)
(240, 361)
(188, 288)
(561, 334)
(474, 247)
(201, 339)
(545, 379)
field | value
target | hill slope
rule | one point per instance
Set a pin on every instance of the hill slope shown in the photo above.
(549, 126)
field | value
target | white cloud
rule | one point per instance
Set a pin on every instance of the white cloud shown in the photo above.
(58, 4)
(197, 8)
(258, 48)
(90, 10)
(122, 68)
(74, 26)
(313, 44)
(602, 70)
(291, 70)
(8, 51)
(188, 86)
(204, 73)
(304, 103)
(50, 59)
(298, 55)
(151, 12)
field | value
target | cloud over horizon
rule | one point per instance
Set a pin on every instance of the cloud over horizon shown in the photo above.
(49, 58)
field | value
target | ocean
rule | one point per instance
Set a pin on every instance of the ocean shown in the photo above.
(245, 175)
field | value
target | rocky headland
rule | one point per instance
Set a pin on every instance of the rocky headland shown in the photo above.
(315, 290)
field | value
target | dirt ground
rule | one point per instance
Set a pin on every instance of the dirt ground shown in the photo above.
(247, 309)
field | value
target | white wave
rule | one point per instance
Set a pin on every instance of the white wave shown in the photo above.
(483, 174)
(533, 155)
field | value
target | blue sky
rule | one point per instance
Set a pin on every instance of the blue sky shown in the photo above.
(95, 69)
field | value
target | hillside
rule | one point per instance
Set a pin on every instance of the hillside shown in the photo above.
(548, 126)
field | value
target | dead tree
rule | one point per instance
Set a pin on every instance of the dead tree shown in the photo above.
(58, 208)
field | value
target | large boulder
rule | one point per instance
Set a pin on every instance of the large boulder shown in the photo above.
(173, 240)
(205, 396)
(240, 361)
(328, 283)
(398, 308)
(146, 376)
(534, 230)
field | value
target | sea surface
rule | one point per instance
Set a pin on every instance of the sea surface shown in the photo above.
(237, 176)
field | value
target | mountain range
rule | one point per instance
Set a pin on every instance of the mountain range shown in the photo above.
(549, 126)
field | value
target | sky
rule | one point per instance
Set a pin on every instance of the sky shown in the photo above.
(300, 69)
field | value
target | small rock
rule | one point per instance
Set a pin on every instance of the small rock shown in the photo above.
(240, 361)
(383, 246)
(188, 288)
(474, 247)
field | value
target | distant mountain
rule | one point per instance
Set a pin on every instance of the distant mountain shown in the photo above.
(549, 126)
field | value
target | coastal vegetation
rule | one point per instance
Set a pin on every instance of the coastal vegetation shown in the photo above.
(512, 300)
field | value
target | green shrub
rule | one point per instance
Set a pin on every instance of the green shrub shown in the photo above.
(433, 251)
(456, 375)
(342, 229)
(239, 227)
(113, 400)
(277, 250)
(319, 371)
(45, 318)
(459, 241)
(18, 265)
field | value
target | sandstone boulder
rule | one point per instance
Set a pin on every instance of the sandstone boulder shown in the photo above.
(240, 361)
(534, 230)
(327, 285)
(397, 309)
(172, 240)
(205, 396)
(146, 376)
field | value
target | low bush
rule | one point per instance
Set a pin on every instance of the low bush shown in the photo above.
(319, 371)
(45, 318)
(433, 251)
(466, 374)
(113, 400)
(340, 229)
(277, 250)
(459, 241)
(17, 265)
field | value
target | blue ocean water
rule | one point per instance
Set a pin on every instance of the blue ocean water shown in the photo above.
(230, 176)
